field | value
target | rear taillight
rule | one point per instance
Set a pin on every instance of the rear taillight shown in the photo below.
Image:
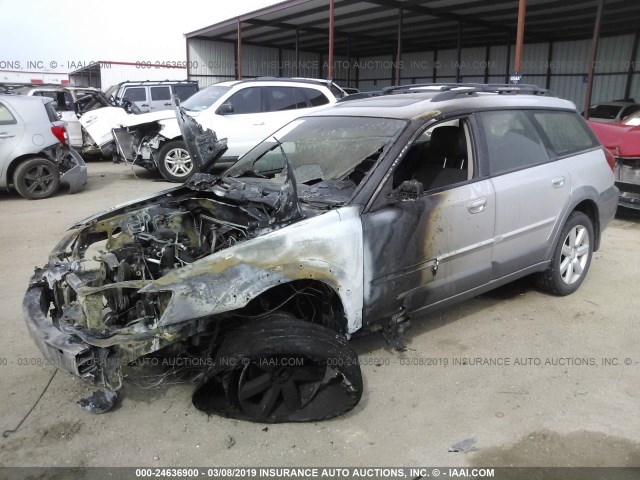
(611, 160)
(60, 133)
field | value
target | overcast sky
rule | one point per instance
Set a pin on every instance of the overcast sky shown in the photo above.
(119, 30)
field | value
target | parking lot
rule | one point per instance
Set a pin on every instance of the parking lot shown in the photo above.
(533, 379)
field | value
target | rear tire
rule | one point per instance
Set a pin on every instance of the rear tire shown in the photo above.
(37, 178)
(571, 257)
(175, 163)
(281, 369)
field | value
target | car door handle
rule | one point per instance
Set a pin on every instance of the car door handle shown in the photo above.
(167, 104)
(477, 206)
(144, 105)
(6, 135)
(558, 182)
(258, 123)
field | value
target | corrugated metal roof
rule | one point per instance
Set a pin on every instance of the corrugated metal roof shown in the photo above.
(369, 27)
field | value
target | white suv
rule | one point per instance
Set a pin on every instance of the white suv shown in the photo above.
(242, 111)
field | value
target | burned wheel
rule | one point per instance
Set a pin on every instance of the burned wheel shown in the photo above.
(281, 369)
(175, 163)
(37, 178)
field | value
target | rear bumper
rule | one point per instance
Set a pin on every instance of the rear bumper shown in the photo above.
(76, 177)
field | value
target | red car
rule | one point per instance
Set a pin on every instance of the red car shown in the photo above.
(623, 141)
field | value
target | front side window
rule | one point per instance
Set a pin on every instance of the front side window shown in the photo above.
(566, 132)
(137, 94)
(512, 141)
(6, 118)
(439, 157)
(246, 100)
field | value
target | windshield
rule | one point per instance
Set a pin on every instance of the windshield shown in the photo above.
(204, 98)
(319, 148)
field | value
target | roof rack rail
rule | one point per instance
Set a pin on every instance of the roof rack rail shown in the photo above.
(449, 91)
(144, 82)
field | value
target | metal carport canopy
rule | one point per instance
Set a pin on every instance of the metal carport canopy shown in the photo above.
(370, 27)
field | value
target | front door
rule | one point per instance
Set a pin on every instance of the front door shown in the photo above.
(434, 245)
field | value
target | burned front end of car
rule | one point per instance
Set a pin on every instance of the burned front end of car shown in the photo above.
(103, 287)
(162, 271)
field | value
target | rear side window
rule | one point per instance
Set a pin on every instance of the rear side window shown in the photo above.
(316, 97)
(285, 98)
(160, 93)
(137, 94)
(6, 118)
(566, 132)
(184, 91)
(512, 141)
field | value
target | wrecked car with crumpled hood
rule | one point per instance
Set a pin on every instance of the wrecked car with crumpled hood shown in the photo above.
(349, 220)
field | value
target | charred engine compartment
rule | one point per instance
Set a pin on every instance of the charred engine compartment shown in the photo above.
(144, 245)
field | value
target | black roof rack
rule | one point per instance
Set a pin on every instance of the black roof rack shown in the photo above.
(449, 91)
(155, 82)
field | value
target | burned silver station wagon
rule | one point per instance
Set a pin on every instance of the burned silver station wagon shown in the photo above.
(354, 219)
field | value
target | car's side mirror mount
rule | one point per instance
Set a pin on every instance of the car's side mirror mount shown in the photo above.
(225, 109)
(408, 191)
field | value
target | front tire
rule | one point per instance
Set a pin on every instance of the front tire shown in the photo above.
(37, 178)
(571, 258)
(175, 162)
(281, 369)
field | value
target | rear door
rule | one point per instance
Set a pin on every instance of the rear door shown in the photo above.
(532, 189)
(160, 98)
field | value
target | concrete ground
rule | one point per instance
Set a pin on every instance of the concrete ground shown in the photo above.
(569, 395)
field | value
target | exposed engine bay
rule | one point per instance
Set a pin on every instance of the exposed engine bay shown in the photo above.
(138, 144)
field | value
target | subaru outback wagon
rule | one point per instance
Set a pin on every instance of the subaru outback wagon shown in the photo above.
(349, 220)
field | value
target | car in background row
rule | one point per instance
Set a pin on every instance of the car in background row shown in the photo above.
(70, 102)
(243, 111)
(150, 95)
(35, 156)
(623, 141)
(614, 111)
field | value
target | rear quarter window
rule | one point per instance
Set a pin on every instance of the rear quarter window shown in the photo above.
(6, 118)
(315, 97)
(566, 132)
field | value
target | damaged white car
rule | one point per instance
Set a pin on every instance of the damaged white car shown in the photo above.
(244, 112)
(346, 221)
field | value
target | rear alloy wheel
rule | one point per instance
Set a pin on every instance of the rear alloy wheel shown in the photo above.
(37, 178)
(572, 257)
(175, 163)
(281, 369)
